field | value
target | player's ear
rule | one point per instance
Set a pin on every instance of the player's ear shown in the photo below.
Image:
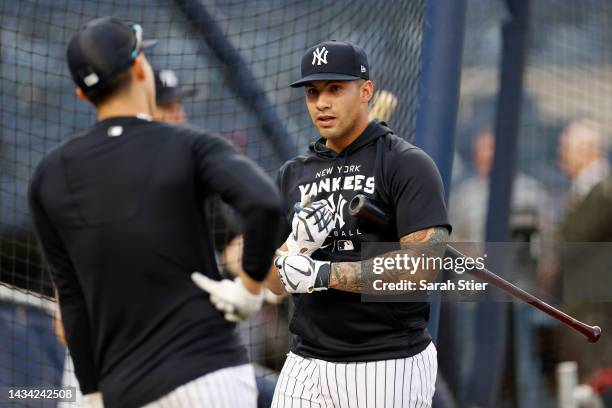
(138, 68)
(79, 92)
(367, 91)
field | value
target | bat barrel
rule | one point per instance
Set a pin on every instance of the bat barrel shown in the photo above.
(592, 333)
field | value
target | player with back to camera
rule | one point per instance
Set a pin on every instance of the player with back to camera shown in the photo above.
(118, 213)
(169, 97)
(347, 353)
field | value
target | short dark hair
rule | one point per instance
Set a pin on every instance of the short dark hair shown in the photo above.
(120, 81)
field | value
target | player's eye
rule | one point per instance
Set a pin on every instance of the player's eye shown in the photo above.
(335, 88)
(311, 92)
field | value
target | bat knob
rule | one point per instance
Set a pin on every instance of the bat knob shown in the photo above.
(596, 334)
(356, 204)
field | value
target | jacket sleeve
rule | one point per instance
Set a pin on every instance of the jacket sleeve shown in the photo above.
(589, 221)
(71, 299)
(243, 185)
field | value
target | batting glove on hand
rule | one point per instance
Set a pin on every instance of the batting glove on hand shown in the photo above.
(93, 400)
(230, 297)
(302, 274)
(310, 227)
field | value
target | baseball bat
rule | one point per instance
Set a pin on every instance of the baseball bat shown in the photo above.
(363, 208)
(384, 104)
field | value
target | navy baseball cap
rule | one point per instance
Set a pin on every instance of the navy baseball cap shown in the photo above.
(167, 87)
(333, 61)
(102, 49)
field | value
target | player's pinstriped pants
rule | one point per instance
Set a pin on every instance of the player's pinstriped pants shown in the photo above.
(406, 382)
(232, 387)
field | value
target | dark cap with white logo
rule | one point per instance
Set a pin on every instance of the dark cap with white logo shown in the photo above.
(102, 49)
(168, 89)
(333, 61)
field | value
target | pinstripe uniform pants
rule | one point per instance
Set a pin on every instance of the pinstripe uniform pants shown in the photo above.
(402, 383)
(232, 387)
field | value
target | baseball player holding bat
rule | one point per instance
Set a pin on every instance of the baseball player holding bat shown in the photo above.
(118, 213)
(346, 353)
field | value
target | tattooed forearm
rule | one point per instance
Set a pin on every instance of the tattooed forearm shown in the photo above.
(418, 236)
(349, 276)
(430, 236)
(346, 276)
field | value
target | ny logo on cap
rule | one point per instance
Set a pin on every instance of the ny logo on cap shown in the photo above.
(319, 56)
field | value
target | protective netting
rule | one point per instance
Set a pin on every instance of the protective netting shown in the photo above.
(239, 55)
(567, 77)
(567, 80)
(565, 132)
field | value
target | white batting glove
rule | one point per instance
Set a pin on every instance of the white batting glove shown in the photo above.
(230, 297)
(310, 227)
(93, 400)
(302, 274)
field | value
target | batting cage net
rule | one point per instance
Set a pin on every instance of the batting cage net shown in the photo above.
(237, 58)
(566, 98)
(565, 126)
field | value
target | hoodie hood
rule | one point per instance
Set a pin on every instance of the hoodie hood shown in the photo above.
(372, 132)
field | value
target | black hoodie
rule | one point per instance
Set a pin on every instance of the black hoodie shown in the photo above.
(334, 325)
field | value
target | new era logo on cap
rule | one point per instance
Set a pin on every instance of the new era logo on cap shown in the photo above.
(333, 61)
(91, 79)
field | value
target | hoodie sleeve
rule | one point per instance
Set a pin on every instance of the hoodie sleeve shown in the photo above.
(417, 192)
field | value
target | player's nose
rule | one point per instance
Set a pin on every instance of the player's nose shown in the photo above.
(323, 103)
